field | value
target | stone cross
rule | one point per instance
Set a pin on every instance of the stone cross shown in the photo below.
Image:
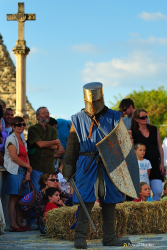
(21, 51)
(21, 17)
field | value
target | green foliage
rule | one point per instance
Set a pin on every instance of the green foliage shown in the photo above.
(154, 102)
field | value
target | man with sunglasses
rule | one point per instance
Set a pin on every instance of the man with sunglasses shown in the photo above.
(42, 142)
(127, 108)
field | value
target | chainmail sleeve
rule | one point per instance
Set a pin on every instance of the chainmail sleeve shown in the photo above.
(71, 155)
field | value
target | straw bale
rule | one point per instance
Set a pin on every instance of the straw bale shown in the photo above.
(121, 218)
(146, 217)
(59, 221)
(130, 218)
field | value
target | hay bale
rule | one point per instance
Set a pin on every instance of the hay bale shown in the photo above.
(59, 221)
(121, 218)
(130, 218)
(146, 217)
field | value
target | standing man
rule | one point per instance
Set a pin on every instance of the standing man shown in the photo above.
(42, 142)
(84, 134)
(8, 116)
(128, 108)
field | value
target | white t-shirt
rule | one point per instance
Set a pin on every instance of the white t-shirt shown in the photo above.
(144, 165)
(63, 183)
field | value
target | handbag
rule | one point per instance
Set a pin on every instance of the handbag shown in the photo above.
(28, 201)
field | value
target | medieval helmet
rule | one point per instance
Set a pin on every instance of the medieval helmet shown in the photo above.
(93, 97)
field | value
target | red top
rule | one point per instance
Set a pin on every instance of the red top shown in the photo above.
(22, 153)
(49, 206)
(138, 200)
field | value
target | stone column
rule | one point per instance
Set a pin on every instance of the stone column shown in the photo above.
(21, 51)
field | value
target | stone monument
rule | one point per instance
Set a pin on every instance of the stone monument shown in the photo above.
(8, 82)
(21, 51)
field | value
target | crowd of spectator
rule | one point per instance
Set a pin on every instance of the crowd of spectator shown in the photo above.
(147, 142)
(40, 159)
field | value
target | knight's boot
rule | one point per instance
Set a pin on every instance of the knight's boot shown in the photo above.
(82, 227)
(109, 235)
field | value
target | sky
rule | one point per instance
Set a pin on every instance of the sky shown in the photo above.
(120, 43)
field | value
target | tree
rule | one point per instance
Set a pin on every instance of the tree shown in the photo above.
(154, 102)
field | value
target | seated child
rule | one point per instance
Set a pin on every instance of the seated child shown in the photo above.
(144, 164)
(164, 196)
(144, 193)
(53, 195)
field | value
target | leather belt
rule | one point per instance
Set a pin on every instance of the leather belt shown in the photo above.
(93, 156)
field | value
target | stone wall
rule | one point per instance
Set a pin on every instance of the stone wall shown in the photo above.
(8, 83)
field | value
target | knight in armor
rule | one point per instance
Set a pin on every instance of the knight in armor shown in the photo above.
(89, 126)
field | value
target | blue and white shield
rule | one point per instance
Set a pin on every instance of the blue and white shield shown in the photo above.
(120, 161)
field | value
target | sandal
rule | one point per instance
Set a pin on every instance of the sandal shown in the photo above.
(15, 229)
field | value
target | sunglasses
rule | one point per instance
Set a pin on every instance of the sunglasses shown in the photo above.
(124, 110)
(20, 124)
(143, 117)
(53, 180)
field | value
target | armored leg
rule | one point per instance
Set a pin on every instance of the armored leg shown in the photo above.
(82, 227)
(109, 236)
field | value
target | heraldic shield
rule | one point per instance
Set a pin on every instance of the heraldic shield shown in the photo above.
(120, 161)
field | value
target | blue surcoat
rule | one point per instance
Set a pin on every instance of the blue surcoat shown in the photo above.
(85, 181)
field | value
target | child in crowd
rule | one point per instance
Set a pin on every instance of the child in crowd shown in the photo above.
(53, 195)
(164, 196)
(144, 164)
(144, 193)
(67, 190)
(65, 186)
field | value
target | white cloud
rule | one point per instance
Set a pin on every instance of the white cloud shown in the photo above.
(125, 71)
(134, 34)
(34, 50)
(152, 16)
(150, 40)
(86, 48)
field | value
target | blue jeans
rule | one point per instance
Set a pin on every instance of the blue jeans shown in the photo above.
(13, 183)
(35, 176)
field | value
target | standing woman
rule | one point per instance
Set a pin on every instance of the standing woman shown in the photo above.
(18, 169)
(147, 134)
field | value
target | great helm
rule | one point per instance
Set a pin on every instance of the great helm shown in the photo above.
(93, 97)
